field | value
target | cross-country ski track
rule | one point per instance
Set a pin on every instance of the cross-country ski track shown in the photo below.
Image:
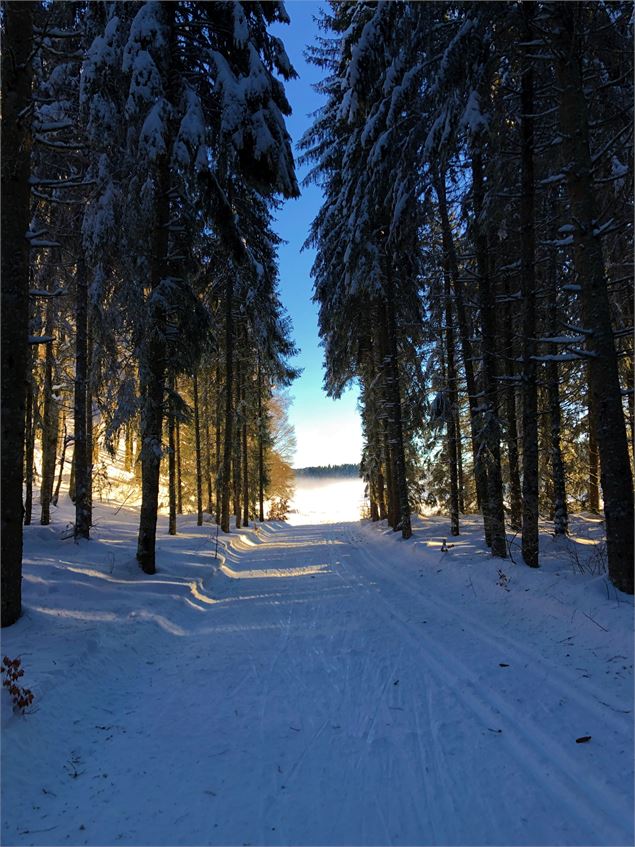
(325, 684)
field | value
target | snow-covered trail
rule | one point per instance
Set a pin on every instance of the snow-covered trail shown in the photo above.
(328, 685)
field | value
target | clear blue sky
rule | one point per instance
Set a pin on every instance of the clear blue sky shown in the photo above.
(327, 431)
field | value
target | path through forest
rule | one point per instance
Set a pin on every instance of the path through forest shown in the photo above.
(328, 684)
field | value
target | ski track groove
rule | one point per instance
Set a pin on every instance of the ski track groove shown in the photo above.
(494, 707)
(372, 762)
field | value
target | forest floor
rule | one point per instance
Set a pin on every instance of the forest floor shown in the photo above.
(318, 684)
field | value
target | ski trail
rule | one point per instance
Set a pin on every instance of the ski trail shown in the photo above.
(317, 696)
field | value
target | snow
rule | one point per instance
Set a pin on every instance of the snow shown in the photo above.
(318, 683)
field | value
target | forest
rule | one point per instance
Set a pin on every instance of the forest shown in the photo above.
(472, 272)
(140, 290)
(430, 644)
(347, 470)
(474, 259)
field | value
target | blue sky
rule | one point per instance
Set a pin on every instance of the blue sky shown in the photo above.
(327, 431)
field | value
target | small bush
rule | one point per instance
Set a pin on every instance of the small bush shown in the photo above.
(22, 697)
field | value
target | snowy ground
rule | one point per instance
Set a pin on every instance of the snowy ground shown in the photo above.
(326, 684)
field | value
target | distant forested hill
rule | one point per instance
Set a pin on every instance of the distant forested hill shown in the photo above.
(328, 470)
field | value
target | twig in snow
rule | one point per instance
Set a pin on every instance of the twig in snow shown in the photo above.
(595, 622)
(31, 831)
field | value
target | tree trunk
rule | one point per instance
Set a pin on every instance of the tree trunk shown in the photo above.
(128, 448)
(245, 457)
(153, 357)
(459, 459)
(219, 423)
(17, 44)
(454, 402)
(226, 479)
(560, 511)
(530, 544)
(593, 456)
(493, 507)
(604, 384)
(261, 447)
(236, 458)
(172, 461)
(179, 477)
(394, 393)
(515, 491)
(208, 445)
(64, 445)
(480, 473)
(50, 424)
(29, 445)
(81, 450)
(197, 447)
(92, 444)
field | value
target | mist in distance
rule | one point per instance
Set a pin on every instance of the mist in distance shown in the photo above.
(326, 500)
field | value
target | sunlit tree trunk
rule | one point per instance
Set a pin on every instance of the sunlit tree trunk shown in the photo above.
(197, 448)
(172, 498)
(50, 424)
(261, 447)
(81, 454)
(228, 429)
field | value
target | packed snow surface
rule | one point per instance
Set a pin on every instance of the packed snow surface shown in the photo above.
(324, 683)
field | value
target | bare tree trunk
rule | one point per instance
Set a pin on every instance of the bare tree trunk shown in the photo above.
(480, 473)
(491, 427)
(128, 448)
(92, 443)
(454, 402)
(594, 458)
(64, 445)
(261, 447)
(153, 358)
(17, 44)
(604, 384)
(50, 423)
(208, 446)
(29, 446)
(197, 446)
(459, 459)
(245, 456)
(218, 457)
(515, 491)
(380, 352)
(179, 477)
(560, 510)
(81, 454)
(226, 479)
(236, 458)
(394, 412)
(172, 461)
(530, 544)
